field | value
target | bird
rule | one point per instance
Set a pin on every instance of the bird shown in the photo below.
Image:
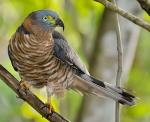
(44, 58)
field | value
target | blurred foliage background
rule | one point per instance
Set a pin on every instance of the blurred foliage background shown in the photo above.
(81, 18)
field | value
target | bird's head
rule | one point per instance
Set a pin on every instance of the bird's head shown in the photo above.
(43, 19)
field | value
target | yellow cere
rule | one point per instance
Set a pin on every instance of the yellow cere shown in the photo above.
(50, 18)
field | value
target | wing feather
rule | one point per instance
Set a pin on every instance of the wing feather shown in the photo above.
(64, 52)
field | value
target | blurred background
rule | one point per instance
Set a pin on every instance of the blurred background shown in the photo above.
(90, 29)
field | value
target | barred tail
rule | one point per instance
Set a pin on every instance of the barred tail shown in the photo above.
(88, 84)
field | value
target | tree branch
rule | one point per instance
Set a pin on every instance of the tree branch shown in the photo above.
(29, 97)
(120, 61)
(125, 14)
(145, 5)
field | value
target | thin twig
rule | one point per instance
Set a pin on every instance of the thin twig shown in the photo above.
(125, 14)
(29, 97)
(120, 61)
(145, 5)
(119, 50)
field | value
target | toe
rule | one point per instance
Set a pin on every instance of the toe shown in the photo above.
(24, 85)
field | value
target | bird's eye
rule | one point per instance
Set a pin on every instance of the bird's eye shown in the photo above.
(45, 18)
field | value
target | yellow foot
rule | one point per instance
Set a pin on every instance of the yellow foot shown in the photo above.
(49, 108)
(24, 85)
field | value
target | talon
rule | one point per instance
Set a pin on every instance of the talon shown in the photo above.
(49, 107)
(24, 85)
(49, 114)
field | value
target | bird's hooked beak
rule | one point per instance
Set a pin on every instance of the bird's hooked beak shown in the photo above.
(60, 23)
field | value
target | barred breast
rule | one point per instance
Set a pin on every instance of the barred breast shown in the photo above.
(35, 61)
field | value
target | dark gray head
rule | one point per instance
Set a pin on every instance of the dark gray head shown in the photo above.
(44, 19)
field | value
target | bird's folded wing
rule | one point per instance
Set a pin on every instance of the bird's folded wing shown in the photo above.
(64, 52)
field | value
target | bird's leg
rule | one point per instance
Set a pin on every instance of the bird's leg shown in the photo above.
(49, 94)
(48, 104)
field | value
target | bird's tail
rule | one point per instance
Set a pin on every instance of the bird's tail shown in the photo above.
(88, 84)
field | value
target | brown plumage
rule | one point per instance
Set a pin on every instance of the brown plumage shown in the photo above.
(43, 57)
